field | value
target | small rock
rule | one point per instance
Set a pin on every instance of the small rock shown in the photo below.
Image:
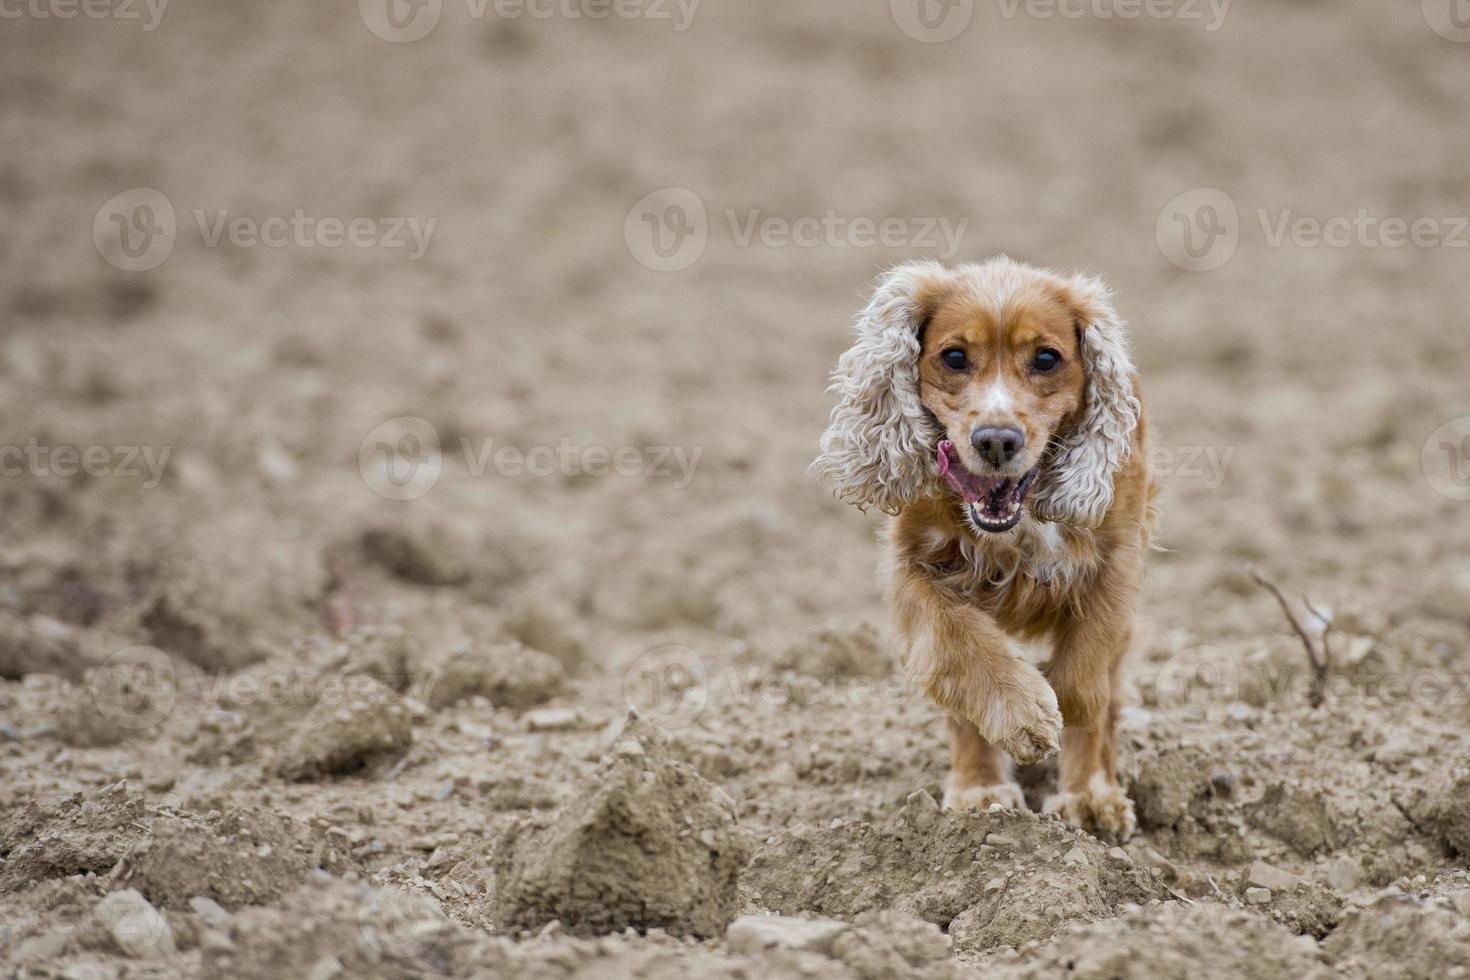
(47, 946)
(1344, 874)
(1268, 876)
(554, 720)
(1257, 896)
(752, 933)
(137, 928)
(889, 944)
(923, 799)
(210, 912)
(1461, 901)
(326, 968)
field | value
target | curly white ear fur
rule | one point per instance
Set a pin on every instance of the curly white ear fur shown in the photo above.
(1076, 487)
(878, 449)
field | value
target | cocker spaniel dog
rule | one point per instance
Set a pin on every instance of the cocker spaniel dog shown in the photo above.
(994, 411)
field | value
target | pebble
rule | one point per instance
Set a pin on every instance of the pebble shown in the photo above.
(923, 800)
(1269, 876)
(553, 719)
(753, 933)
(138, 929)
(1257, 896)
(210, 912)
(1344, 874)
(325, 968)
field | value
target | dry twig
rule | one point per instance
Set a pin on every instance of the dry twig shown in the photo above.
(1319, 650)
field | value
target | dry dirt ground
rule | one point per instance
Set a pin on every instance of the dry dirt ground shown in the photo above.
(259, 718)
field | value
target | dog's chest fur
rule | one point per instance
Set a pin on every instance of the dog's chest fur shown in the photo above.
(1022, 577)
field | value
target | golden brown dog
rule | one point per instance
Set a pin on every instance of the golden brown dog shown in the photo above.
(994, 410)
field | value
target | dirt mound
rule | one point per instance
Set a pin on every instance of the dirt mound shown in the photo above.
(647, 844)
(72, 836)
(331, 929)
(1445, 809)
(1169, 942)
(833, 653)
(39, 645)
(245, 857)
(1400, 937)
(937, 865)
(508, 674)
(343, 736)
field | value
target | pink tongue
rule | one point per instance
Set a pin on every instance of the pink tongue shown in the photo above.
(970, 486)
(944, 447)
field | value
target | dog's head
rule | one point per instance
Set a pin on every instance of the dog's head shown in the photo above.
(1006, 386)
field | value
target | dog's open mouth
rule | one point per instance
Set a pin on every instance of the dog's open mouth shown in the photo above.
(994, 501)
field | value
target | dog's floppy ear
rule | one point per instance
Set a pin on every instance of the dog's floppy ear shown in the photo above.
(1076, 485)
(878, 449)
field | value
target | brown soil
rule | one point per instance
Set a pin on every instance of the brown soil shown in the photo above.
(258, 719)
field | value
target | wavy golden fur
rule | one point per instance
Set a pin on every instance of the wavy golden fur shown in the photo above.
(994, 411)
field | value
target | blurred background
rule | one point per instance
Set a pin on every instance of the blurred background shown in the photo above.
(481, 322)
(508, 170)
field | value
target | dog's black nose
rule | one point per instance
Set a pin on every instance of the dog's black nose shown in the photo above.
(999, 446)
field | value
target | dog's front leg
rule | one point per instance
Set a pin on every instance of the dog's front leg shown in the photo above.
(965, 662)
(1091, 644)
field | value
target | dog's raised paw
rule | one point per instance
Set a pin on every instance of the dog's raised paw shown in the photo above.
(1008, 795)
(1031, 724)
(1106, 811)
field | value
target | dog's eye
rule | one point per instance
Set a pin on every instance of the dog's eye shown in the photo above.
(1046, 360)
(954, 359)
